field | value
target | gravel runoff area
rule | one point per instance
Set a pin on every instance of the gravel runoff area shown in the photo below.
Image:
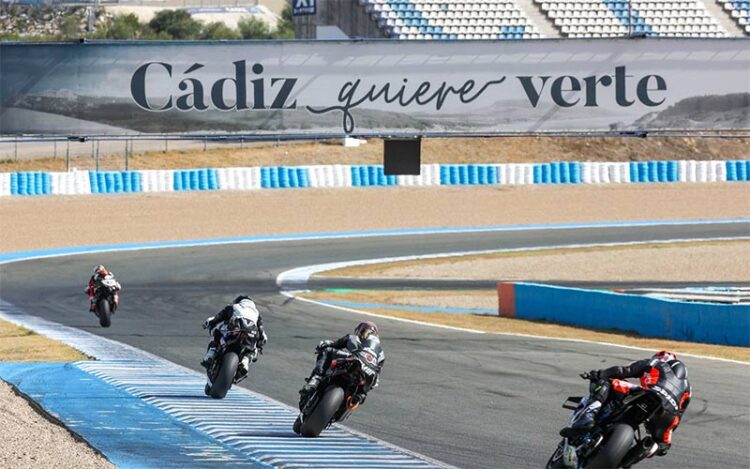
(50, 222)
(31, 441)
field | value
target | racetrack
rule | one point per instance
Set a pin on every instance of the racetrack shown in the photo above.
(473, 400)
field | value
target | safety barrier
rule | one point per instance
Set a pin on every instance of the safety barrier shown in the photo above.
(278, 177)
(724, 324)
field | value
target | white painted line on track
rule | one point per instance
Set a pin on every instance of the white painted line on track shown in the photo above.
(299, 276)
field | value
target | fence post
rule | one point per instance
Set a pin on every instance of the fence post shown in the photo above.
(97, 155)
(126, 155)
(16, 150)
(54, 144)
(67, 157)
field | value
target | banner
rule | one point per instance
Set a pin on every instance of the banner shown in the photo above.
(373, 88)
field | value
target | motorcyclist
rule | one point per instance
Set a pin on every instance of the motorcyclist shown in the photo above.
(242, 308)
(662, 374)
(366, 337)
(95, 282)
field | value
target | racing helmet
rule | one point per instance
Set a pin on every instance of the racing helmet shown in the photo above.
(240, 298)
(101, 271)
(365, 329)
(665, 356)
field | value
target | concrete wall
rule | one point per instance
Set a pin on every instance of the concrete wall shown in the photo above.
(351, 17)
(649, 317)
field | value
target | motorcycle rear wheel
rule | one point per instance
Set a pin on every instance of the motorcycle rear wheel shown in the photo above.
(614, 449)
(323, 412)
(224, 378)
(104, 312)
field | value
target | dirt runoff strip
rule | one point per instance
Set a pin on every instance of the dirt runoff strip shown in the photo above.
(30, 439)
(673, 262)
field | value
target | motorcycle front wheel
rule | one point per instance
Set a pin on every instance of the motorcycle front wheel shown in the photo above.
(223, 381)
(323, 412)
(104, 312)
(614, 449)
(556, 460)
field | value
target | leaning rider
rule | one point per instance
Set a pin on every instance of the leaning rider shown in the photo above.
(662, 374)
(241, 308)
(365, 337)
(100, 275)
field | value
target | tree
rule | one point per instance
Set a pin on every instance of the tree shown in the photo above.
(254, 28)
(178, 24)
(218, 30)
(285, 26)
(125, 27)
(70, 27)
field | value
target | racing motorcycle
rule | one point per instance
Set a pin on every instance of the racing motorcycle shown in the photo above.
(332, 401)
(106, 300)
(238, 339)
(619, 437)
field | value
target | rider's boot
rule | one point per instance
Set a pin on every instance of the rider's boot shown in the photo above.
(312, 384)
(208, 358)
(92, 307)
(584, 422)
(244, 365)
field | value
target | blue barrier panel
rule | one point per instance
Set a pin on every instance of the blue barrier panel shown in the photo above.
(452, 174)
(731, 170)
(443, 175)
(493, 175)
(747, 170)
(653, 171)
(110, 182)
(673, 172)
(565, 172)
(356, 180)
(742, 173)
(13, 183)
(264, 179)
(22, 184)
(662, 171)
(463, 174)
(303, 176)
(93, 182)
(291, 177)
(193, 180)
(635, 175)
(537, 173)
(213, 179)
(651, 317)
(473, 174)
(547, 173)
(554, 172)
(575, 172)
(283, 176)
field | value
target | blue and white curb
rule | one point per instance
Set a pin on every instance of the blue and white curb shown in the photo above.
(326, 176)
(245, 427)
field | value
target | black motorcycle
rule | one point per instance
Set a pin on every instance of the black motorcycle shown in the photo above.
(106, 300)
(619, 437)
(331, 401)
(236, 342)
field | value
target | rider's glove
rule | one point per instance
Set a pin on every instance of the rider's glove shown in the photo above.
(263, 338)
(593, 375)
(207, 322)
(323, 344)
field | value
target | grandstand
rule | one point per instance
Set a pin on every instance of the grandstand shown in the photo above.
(529, 19)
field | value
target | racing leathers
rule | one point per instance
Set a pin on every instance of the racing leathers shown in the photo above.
(668, 380)
(96, 282)
(244, 309)
(350, 343)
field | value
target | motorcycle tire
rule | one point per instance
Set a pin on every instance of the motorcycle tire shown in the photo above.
(223, 381)
(618, 444)
(556, 460)
(104, 312)
(322, 413)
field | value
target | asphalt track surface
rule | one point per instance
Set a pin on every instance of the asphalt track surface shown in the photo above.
(472, 400)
